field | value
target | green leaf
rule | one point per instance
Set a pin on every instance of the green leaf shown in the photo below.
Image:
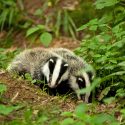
(3, 88)
(11, 16)
(34, 29)
(80, 110)
(100, 119)
(42, 27)
(104, 93)
(67, 121)
(46, 38)
(67, 114)
(82, 27)
(93, 27)
(105, 3)
(58, 23)
(31, 30)
(5, 110)
(109, 100)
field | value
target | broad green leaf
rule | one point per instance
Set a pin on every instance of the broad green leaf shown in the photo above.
(5, 110)
(93, 27)
(32, 30)
(81, 109)
(102, 118)
(46, 38)
(82, 27)
(93, 22)
(97, 55)
(67, 121)
(109, 100)
(42, 27)
(120, 93)
(105, 3)
(3, 88)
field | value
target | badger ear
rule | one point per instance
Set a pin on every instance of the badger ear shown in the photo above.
(66, 65)
(51, 60)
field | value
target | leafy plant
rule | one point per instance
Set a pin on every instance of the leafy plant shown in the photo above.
(104, 49)
(2, 88)
(81, 117)
(39, 31)
(9, 13)
(6, 56)
(4, 109)
(58, 20)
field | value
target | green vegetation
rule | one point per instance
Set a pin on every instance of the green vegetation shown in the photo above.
(102, 27)
(105, 49)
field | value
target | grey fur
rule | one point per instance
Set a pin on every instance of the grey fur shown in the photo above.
(77, 68)
(31, 61)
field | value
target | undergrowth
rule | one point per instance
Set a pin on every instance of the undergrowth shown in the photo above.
(104, 49)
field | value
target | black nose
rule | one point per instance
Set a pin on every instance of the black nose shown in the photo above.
(82, 97)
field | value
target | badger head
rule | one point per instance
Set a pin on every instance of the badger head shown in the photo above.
(55, 71)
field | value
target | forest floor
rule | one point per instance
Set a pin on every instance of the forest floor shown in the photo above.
(22, 92)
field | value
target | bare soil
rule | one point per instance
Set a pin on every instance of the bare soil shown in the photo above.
(20, 91)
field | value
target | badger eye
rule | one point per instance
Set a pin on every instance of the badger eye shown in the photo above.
(80, 79)
(81, 82)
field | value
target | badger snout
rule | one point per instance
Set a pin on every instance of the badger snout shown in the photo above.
(52, 86)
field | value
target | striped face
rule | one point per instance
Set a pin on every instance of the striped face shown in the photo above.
(80, 82)
(55, 71)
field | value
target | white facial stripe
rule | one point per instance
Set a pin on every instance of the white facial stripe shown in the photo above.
(56, 72)
(74, 86)
(87, 81)
(51, 60)
(46, 71)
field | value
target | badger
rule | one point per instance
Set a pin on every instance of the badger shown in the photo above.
(42, 64)
(79, 78)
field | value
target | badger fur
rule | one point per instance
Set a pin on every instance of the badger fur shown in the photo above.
(79, 78)
(41, 63)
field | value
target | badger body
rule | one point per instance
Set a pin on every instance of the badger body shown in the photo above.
(79, 78)
(59, 67)
(41, 63)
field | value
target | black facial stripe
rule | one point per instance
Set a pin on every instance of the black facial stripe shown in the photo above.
(52, 65)
(62, 71)
(81, 84)
(90, 74)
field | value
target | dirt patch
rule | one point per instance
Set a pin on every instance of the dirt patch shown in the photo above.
(20, 41)
(19, 90)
